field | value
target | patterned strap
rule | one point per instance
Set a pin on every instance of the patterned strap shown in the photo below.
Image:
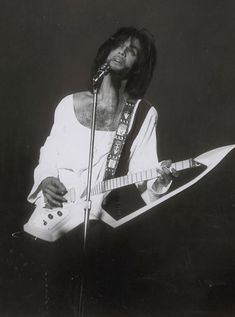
(119, 140)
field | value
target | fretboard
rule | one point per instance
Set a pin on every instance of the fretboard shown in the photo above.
(137, 177)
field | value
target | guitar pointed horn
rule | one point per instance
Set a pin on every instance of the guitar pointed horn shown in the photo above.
(213, 157)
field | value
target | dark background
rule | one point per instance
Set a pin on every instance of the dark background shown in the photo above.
(185, 250)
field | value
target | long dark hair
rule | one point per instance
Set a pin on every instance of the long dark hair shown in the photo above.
(141, 73)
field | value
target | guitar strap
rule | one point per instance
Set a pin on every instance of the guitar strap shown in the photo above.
(119, 140)
(140, 115)
(122, 202)
(118, 158)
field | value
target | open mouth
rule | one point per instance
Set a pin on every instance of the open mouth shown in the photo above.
(118, 60)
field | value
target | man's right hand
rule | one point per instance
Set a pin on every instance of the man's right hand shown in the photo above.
(53, 191)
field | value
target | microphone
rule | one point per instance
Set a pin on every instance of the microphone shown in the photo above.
(102, 71)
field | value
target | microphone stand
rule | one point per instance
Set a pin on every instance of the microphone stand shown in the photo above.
(102, 71)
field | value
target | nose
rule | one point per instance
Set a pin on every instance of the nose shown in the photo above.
(122, 51)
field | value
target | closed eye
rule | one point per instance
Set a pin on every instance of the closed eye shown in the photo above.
(133, 51)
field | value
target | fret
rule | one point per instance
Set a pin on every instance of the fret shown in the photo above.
(113, 183)
(179, 166)
(186, 164)
(121, 182)
(100, 187)
(103, 186)
(149, 174)
(154, 173)
(190, 162)
(131, 178)
(144, 175)
(118, 183)
(128, 179)
(124, 180)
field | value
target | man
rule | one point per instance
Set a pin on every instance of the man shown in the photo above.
(131, 55)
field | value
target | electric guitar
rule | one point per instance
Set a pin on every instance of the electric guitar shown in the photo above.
(51, 224)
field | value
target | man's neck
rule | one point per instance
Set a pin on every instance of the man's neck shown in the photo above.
(111, 93)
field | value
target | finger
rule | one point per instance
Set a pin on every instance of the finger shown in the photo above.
(47, 204)
(164, 178)
(160, 174)
(166, 163)
(60, 186)
(55, 196)
(166, 170)
(52, 202)
(54, 188)
(174, 172)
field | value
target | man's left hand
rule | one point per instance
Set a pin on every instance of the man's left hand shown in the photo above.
(165, 175)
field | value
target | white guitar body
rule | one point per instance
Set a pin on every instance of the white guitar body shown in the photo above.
(50, 224)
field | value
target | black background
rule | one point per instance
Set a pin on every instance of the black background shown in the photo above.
(187, 246)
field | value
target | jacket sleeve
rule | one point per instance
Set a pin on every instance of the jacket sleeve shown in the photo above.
(144, 156)
(47, 165)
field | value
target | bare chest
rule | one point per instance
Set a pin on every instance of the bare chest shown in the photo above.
(106, 119)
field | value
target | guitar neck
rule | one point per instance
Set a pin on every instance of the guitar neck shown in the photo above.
(137, 177)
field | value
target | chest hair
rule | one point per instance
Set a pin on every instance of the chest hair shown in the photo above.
(107, 117)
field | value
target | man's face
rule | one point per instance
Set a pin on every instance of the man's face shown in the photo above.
(122, 58)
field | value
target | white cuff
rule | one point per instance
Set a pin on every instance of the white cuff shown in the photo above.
(161, 189)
